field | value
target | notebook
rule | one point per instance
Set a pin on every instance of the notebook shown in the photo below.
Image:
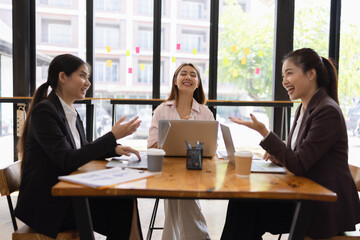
(257, 165)
(131, 161)
(174, 133)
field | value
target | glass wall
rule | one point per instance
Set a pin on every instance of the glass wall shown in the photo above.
(349, 72)
(123, 44)
(312, 24)
(6, 82)
(60, 28)
(245, 56)
(123, 58)
(185, 38)
(311, 29)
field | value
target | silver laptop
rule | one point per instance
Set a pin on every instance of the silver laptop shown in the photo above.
(257, 165)
(229, 145)
(174, 133)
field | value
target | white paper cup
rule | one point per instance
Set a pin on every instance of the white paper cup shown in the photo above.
(155, 158)
(243, 163)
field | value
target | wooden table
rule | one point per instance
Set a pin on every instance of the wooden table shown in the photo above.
(217, 180)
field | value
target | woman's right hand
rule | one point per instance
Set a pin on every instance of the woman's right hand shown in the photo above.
(122, 130)
(254, 124)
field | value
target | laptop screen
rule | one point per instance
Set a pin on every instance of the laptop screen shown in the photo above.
(179, 131)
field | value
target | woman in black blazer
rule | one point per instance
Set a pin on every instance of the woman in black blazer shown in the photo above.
(53, 143)
(317, 148)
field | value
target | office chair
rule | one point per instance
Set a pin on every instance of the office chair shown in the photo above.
(352, 235)
(10, 182)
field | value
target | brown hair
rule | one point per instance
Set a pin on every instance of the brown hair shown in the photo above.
(66, 63)
(326, 73)
(199, 94)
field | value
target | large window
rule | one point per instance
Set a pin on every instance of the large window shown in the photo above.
(123, 46)
(60, 28)
(245, 61)
(6, 83)
(311, 27)
(349, 72)
(123, 37)
(245, 56)
(186, 39)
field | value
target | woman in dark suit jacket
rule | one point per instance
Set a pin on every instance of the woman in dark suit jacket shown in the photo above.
(317, 148)
(53, 143)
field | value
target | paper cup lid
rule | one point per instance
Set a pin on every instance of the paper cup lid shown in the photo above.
(155, 151)
(243, 154)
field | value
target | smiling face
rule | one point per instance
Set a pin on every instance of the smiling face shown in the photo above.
(298, 84)
(187, 79)
(74, 87)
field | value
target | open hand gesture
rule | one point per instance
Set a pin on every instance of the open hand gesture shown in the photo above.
(122, 130)
(254, 124)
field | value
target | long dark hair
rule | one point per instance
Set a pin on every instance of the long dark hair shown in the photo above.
(326, 73)
(198, 95)
(66, 63)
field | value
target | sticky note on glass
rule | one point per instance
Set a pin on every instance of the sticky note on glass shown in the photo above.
(233, 48)
(130, 70)
(142, 67)
(108, 49)
(261, 53)
(127, 53)
(194, 51)
(178, 46)
(137, 49)
(243, 61)
(226, 61)
(235, 73)
(257, 71)
(173, 59)
(247, 51)
(108, 63)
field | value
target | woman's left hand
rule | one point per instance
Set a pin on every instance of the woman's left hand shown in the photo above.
(125, 150)
(270, 157)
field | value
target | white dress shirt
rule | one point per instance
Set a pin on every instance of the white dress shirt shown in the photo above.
(297, 127)
(71, 116)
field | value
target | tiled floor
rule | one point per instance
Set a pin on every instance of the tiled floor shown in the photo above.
(213, 210)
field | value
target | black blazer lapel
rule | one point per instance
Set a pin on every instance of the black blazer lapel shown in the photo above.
(319, 94)
(80, 128)
(55, 100)
(297, 114)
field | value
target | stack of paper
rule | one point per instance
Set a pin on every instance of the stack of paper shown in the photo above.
(107, 177)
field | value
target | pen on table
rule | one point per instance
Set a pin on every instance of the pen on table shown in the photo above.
(188, 146)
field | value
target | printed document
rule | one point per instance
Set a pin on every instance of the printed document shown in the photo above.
(107, 177)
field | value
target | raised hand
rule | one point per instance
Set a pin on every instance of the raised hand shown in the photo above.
(122, 130)
(254, 124)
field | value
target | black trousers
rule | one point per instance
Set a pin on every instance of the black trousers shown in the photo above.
(110, 217)
(249, 220)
